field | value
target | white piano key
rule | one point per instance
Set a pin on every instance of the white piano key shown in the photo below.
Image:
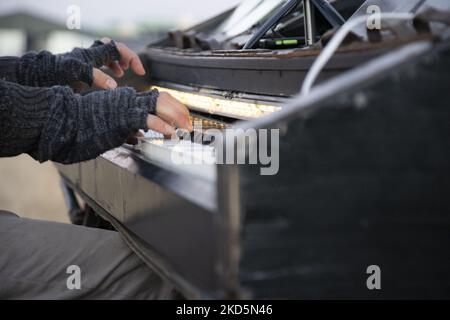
(181, 156)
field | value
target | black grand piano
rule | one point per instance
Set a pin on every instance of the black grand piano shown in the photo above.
(359, 165)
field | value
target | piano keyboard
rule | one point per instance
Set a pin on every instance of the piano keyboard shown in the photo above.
(191, 157)
(208, 123)
(181, 156)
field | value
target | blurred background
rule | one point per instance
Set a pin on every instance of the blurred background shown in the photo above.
(31, 189)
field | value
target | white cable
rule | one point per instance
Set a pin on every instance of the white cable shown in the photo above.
(336, 41)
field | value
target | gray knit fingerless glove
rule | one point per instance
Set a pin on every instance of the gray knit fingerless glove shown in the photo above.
(98, 55)
(45, 69)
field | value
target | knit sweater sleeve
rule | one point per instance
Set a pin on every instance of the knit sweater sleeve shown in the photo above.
(45, 69)
(98, 55)
(56, 124)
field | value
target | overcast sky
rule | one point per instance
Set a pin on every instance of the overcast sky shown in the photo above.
(103, 13)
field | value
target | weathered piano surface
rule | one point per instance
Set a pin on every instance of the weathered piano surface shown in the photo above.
(364, 179)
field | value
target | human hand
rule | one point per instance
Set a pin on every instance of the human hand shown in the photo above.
(170, 115)
(128, 58)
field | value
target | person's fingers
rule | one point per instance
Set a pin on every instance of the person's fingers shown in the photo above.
(124, 64)
(116, 69)
(157, 124)
(127, 58)
(102, 80)
(181, 107)
(178, 106)
(136, 65)
(173, 112)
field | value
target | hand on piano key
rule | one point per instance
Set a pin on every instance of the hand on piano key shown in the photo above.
(170, 115)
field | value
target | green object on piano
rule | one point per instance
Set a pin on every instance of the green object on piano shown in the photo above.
(279, 43)
(287, 42)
